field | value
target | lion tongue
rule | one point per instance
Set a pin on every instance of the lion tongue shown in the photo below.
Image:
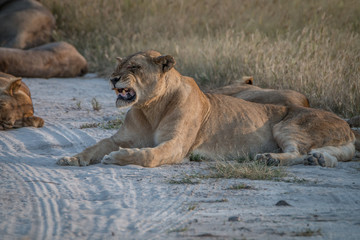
(124, 92)
(127, 93)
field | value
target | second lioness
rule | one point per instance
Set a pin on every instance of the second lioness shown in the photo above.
(171, 117)
(247, 91)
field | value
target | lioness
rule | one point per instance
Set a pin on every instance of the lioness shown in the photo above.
(247, 91)
(16, 108)
(171, 117)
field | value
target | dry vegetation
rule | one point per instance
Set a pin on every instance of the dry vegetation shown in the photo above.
(309, 46)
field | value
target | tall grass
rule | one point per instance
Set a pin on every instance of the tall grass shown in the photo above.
(309, 46)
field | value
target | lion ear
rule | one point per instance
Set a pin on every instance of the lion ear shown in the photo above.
(248, 80)
(119, 59)
(13, 86)
(166, 62)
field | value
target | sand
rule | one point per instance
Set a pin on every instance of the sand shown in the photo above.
(41, 200)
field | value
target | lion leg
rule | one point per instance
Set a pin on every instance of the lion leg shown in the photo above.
(90, 155)
(289, 156)
(326, 156)
(166, 153)
(329, 156)
(281, 159)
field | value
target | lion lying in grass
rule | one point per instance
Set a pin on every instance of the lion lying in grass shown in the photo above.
(171, 117)
(16, 108)
(247, 91)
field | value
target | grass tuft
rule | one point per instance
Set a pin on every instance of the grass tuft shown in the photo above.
(111, 124)
(95, 104)
(240, 186)
(89, 125)
(253, 170)
(307, 233)
(185, 180)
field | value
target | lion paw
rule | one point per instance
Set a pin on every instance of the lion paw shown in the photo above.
(72, 161)
(315, 159)
(267, 159)
(68, 161)
(107, 159)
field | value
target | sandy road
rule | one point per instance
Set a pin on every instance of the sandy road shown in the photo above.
(40, 200)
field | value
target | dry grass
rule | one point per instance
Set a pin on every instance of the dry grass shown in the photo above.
(309, 46)
(252, 170)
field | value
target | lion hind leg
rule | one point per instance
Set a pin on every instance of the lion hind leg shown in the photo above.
(329, 156)
(281, 159)
(289, 156)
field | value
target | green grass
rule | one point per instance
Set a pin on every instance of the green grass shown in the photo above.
(95, 104)
(240, 186)
(307, 233)
(185, 180)
(309, 46)
(253, 170)
(239, 168)
(89, 125)
(108, 125)
(111, 124)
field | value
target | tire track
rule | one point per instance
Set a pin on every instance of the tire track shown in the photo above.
(46, 209)
(24, 192)
(147, 207)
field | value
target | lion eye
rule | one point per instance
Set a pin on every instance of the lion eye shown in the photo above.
(133, 68)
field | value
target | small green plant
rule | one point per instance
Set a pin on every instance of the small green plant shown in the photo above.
(307, 233)
(240, 186)
(95, 104)
(89, 125)
(192, 207)
(293, 179)
(253, 170)
(111, 124)
(78, 105)
(185, 180)
(196, 157)
(177, 230)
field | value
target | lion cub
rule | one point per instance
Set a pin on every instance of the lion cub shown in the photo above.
(171, 117)
(16, 108)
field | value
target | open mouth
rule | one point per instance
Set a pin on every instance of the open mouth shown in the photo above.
(126, 94)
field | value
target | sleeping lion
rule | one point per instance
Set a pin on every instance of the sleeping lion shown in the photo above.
(171, 117)
(16, 108)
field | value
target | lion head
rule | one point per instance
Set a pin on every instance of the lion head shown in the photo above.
(15, 101)
(140, 78)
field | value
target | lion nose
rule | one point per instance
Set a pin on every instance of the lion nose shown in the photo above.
(114, 81)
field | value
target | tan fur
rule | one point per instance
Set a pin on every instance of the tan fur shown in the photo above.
(247, 91)
(171, 117)
(16, 108)
(58, 59)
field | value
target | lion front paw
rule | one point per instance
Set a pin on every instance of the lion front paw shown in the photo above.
(267, 159)
(68, 161)
(315, 159)
(107, 159)
(71, 161)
